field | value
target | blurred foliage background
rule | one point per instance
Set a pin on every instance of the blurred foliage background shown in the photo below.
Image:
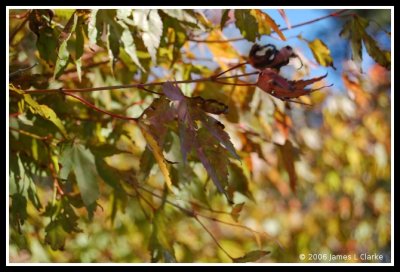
(337, 151)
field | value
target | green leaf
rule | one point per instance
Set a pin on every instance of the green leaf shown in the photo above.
(106, 150)
(55, 235)
(79, 160)
(63, 53)
(107, 173)
(42, 110)
(149, 22)
(355, 31)
(79, 44)
(146, 163)
(18, 213)
(247, 24)
(238, 181)
(130, 48)
(321, 53)
(252, 256)
(160, 246)
(63, 221)
(224, 18)
(382, 57)
(47, 44)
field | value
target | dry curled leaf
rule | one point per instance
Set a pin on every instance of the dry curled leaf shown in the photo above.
(274, 84)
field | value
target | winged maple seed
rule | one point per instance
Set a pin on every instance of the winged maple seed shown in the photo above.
(274, 84)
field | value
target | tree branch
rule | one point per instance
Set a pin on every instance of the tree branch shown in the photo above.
(130, 86)
(333, 14)
(90, 105)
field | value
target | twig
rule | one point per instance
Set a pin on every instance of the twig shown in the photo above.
(230, 69)
(19, 71)
(56, 184)
(212, 236)
(90, 105)
(27, 133)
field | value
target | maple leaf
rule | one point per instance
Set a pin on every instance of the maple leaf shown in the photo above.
(274, 84)
(197, 131)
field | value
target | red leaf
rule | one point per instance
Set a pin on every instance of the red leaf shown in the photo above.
(274, 84)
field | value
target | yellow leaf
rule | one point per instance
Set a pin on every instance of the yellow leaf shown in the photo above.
(321, 53)
(266, 23)
(42, 110)
(158, 155)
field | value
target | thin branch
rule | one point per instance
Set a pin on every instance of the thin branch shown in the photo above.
(56, 184)
(46, 139)
(19, 71)
(218, 41)
(230, 69)
(333, 14)
(90, 105)
(130, 86)
(213, 237)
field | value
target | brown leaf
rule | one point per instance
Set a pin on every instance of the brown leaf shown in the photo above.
(274, 84)
(286, 151)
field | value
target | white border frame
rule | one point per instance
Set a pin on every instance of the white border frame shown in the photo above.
(8, 8)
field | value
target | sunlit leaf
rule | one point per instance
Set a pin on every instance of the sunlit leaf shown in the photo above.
(42, 110)
(149, 22)
(158, 155)
(321, 53)
(130, 48)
